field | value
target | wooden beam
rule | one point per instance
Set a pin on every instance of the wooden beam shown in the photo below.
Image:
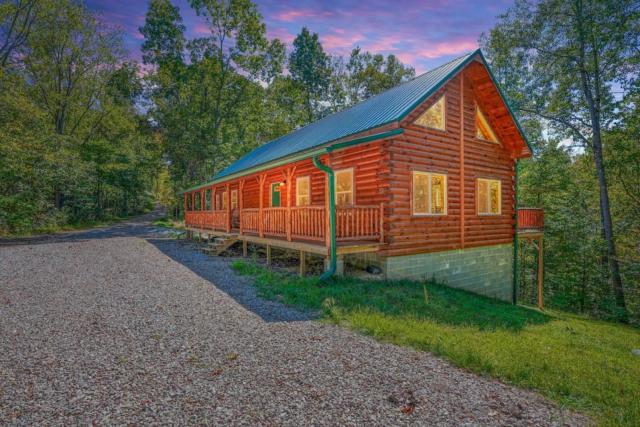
(228, 190)
(303, 263)
(261, 179)
(240, 202)
(268, 255)
(244, 248)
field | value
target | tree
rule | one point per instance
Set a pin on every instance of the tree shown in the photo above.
(372, 74)
(310, 69)
(566, 57)
(16, 19)
(163, 33)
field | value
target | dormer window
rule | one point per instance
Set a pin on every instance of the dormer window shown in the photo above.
(483, 129)
(434, 117)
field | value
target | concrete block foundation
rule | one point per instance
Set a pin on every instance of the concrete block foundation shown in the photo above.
(487, 270)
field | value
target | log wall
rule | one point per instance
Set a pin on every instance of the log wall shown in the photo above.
(430, 150)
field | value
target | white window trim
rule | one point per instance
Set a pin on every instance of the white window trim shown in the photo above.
(444, 114)
(488, 181)
(446, 191)
(353, 185)
(298, 195)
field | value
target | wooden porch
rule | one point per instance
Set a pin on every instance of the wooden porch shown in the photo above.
(305, 228)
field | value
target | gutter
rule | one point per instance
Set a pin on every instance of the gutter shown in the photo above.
(332, 217)
(515, 240)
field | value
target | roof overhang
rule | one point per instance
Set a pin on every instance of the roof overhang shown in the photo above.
(325, 149)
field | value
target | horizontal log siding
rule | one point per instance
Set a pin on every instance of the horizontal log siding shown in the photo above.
(431, 150)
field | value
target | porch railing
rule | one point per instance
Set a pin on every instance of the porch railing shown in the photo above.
(359, 222)
(206, 220)
(274, 221)
(298, 223)
(250, 220)
(530, 219)
(308, 223)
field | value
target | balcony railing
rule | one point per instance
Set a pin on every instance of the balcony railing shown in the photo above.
(530, 219)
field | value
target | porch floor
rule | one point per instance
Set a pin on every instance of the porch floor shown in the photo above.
(310, 246)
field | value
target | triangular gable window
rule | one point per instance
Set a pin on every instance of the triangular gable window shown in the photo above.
(434, 116)
(483, 129)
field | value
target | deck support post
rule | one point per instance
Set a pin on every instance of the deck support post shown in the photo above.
(303, 263)
(268, 255)
(540, 274)
(244, 248)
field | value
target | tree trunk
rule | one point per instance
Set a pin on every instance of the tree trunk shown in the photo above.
(592, 95)
(607, 224)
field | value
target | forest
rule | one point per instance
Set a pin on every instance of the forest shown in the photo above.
(87, 134)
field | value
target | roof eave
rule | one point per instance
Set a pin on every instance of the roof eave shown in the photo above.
(326, 148)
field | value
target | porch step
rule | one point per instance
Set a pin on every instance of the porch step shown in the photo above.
(219, 244)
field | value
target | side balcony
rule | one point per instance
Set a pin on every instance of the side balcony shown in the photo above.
(530, 221)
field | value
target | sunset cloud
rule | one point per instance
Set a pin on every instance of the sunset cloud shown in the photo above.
(421, 33)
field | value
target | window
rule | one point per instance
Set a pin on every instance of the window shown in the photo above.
(303, 191)
(489, 197)
(189, 201)
(429, 193)
(234, 199)
(224, 200)
(207, 199)
(483, 129)
(196, 201)
(434, 117)
(344, 187)
(218, 204)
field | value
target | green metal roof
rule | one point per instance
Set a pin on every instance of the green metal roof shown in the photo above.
(389, 106)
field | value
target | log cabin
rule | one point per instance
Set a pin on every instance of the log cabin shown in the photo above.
(419, 181)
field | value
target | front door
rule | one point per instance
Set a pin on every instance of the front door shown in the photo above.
(275, 195)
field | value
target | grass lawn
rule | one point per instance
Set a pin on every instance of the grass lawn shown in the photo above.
(580, 363)
(168, 223)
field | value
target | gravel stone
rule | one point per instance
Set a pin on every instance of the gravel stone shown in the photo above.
(124, 325)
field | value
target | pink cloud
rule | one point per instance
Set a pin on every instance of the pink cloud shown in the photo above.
(201, 29)
(341, 43)
(280, 33)
(293, 14)
(452, 47)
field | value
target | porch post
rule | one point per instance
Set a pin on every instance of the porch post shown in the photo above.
(261, 181)
(289, 182)
(228, 188)
(240, 202)
(213, 205)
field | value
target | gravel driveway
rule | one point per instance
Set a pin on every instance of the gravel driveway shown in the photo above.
(121, 325)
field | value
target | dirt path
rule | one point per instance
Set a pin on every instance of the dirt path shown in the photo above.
(121, 325)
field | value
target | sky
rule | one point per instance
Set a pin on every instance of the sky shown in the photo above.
(421, 33)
